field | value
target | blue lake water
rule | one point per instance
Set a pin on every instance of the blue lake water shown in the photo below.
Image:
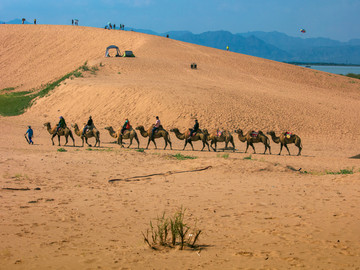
(336, 69)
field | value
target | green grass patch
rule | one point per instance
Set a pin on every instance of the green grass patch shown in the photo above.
(353, 75)
(344, 171)
(16, 103)
(99, 149)
(171, 232)
(62, 150)
(248, 158)
(223, 155)
(7, 89)
(182, 157)
(141, 150)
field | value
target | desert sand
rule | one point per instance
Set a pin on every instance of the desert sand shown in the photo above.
(256, 211)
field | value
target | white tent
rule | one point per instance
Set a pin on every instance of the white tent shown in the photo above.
(112, 47)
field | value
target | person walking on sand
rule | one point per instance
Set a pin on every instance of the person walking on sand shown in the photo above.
(89, 125)
(227, 48)
(156, 127)
(72, 21)
(34, 21)
(30, 134)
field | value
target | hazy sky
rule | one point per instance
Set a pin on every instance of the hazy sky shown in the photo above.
(336, 19)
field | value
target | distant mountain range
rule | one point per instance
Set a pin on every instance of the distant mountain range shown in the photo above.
(270, 45)
(274, 46)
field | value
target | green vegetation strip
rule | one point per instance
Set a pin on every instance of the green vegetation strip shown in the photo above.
(16, 103)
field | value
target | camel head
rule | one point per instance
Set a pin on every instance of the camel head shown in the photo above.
(238, 131)
(47, 124)
(110, 128)
(140, 128)
(174, 130)
(271, 133)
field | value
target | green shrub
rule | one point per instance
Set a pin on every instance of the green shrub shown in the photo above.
(171, 232)
(62, 150)
(182, 157)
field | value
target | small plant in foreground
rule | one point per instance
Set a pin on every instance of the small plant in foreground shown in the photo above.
(344, 171)
(249, 157)
(171, 232)
(62, 150)
(140, 150)
(182, 157)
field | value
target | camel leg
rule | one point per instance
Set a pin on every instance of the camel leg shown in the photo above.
(191, 145)
(153, 140)
(131, 139)
(59, 139)
(136, 138)
(72, 137)
(298, 144)
(169, 141)
(207, 145)
(211, 144)
(166, 142)
(148, 143)
(185, 144)
(287, 149)
(281, 146)
(52, 138)
(233, 144)
(252, 145)
(66, 140)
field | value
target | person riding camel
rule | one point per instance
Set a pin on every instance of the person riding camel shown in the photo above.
(155, 127)
(61, 124)
(194, 129)
(89, 125)
(126, 126)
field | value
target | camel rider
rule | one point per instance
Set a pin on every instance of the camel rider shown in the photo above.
(156, 127)
(126, 126)
(89, 125)
(194, 129)
(61, 124)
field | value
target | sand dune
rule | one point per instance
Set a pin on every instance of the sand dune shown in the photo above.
(256, 212)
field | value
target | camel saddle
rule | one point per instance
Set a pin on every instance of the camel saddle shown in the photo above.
(254, 134)
(219, 133)
(288, 134)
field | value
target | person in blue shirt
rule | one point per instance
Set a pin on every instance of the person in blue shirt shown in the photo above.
(30, 134)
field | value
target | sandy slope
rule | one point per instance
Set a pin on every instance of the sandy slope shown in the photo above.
(255, 214)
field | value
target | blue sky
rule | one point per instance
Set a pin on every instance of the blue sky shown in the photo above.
(335, 19)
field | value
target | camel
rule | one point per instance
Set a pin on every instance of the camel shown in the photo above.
(88, 134)
(285, 140)
(185, 136)
(250, 139)
(62, 132)
(159, 133)
(219, 136)
(128, 134)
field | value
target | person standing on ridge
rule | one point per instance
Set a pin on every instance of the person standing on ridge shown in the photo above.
(227, 48)
(30, 134)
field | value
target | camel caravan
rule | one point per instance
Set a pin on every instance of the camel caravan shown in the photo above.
(156, 131)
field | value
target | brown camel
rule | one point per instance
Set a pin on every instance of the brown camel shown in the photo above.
(62, 132)
(88, 134)
(199, 136)
(252, 137)
(161, 132)
(219, 136)
(128, 134)
(285, 139)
